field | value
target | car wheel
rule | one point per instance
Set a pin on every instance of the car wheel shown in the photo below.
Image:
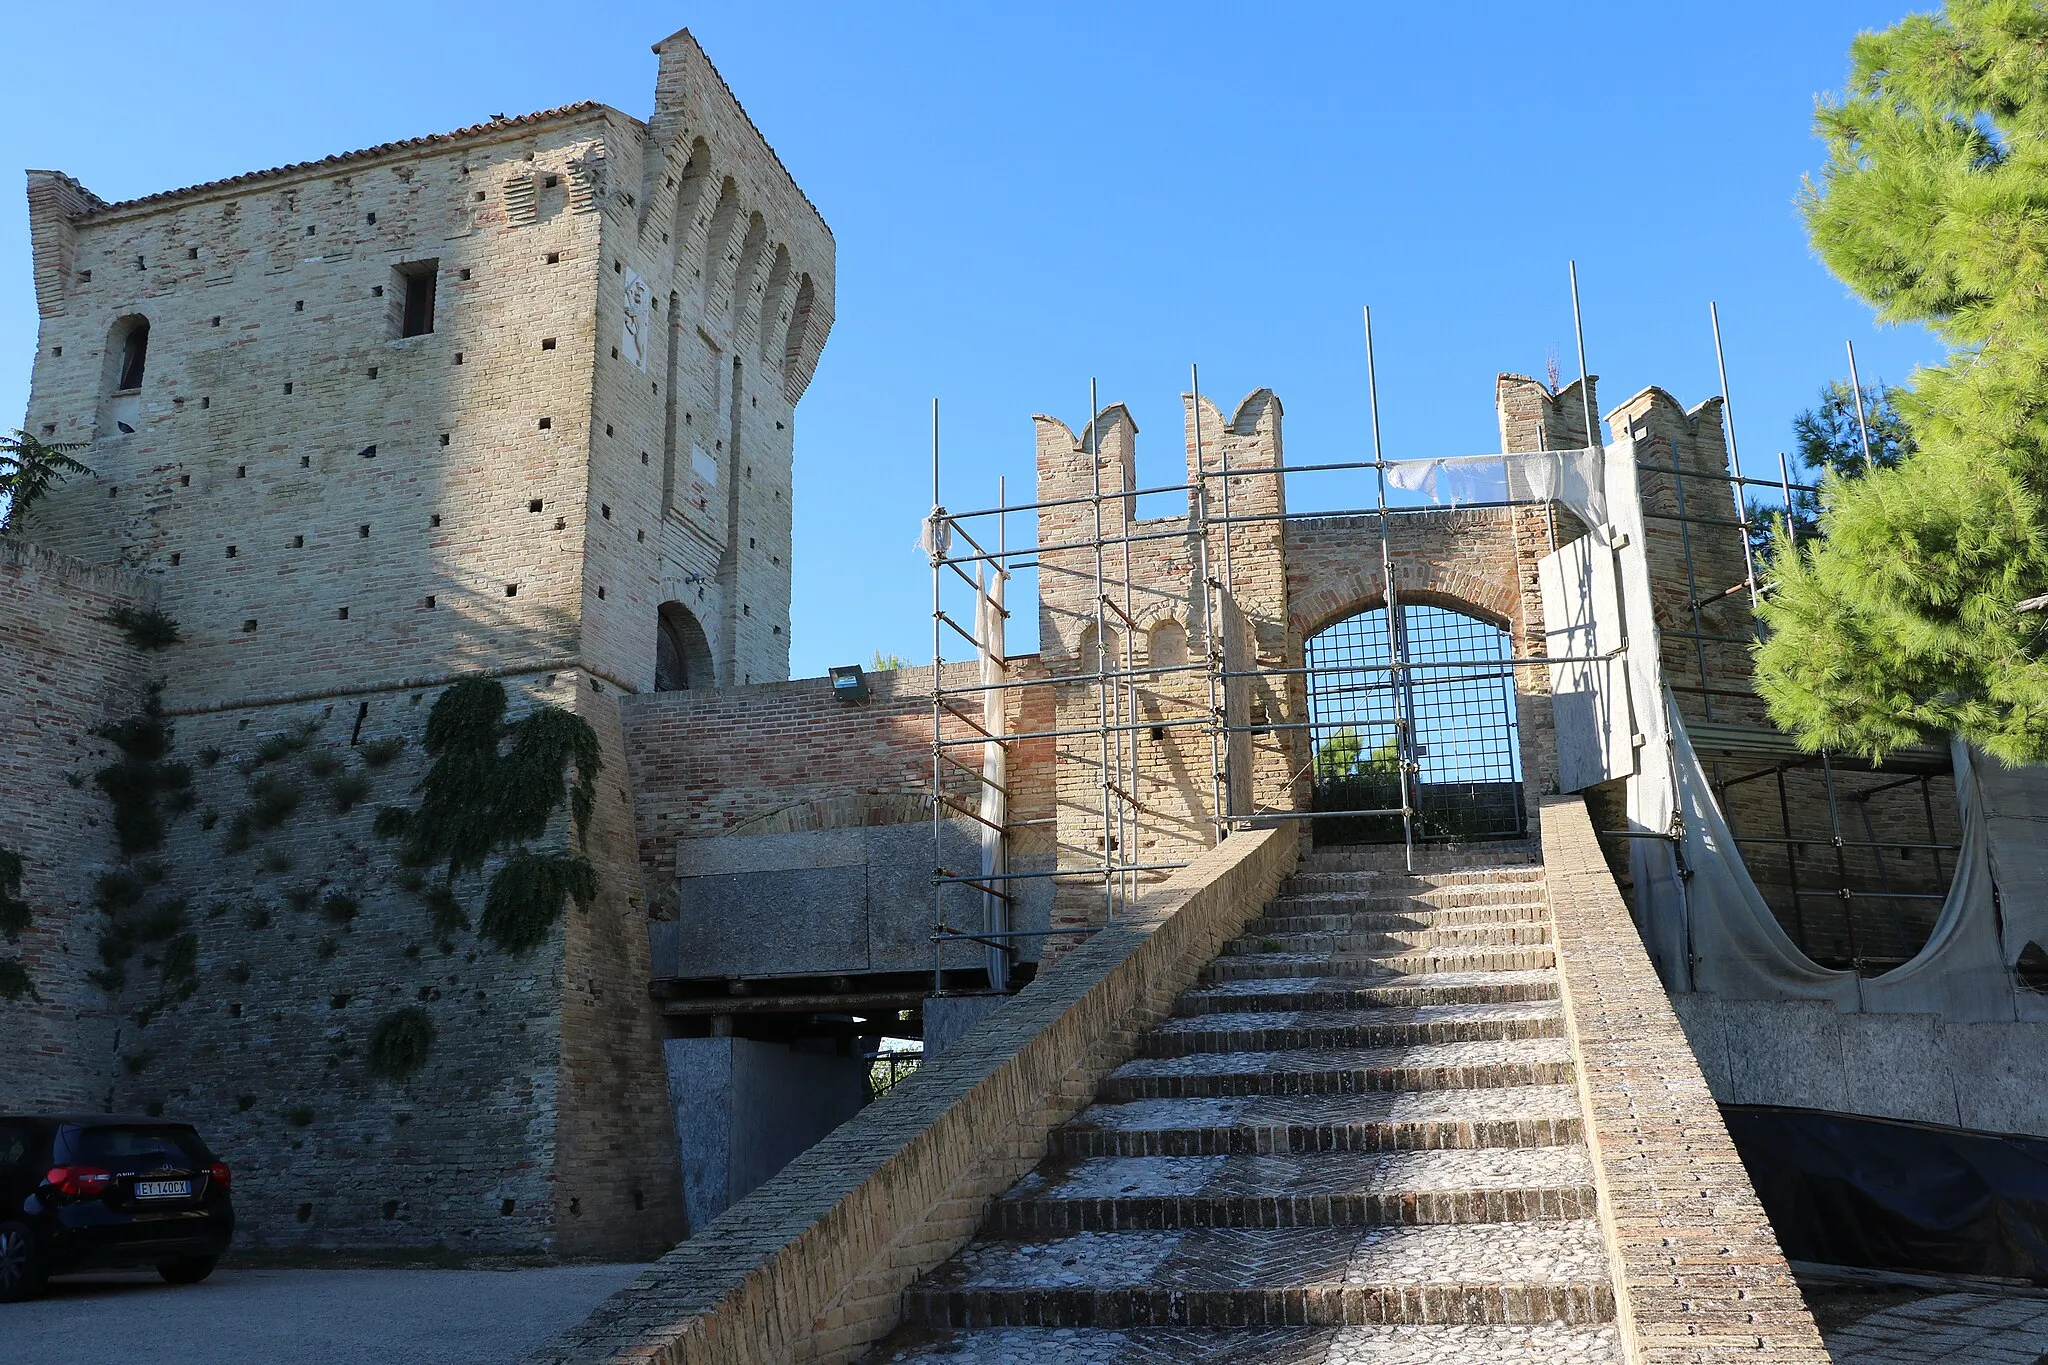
(191, 1270)
(21, 1269)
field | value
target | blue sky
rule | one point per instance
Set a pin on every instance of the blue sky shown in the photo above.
(1029, 196)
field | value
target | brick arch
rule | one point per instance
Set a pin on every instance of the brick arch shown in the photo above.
(1436, 585)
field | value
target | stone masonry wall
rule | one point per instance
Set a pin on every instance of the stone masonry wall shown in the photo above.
(65, 670)
(538, 1123)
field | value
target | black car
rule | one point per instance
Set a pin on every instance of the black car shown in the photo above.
(99, 1191)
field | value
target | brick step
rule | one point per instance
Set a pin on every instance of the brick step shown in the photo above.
(1493, 855)
(1548, 1343)
(1396, 1120)
(1302, 918)
(1311, 880)
(1342, 1071)
(1319, 1190)
(1476, 893)
(1266, 966)
(1323, 1277)
(1395, 1026)
(1311, 992)
(1465, 937)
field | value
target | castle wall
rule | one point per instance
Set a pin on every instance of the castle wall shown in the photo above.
(65, 670)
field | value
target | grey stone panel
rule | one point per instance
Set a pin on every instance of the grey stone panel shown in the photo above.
(798, 922)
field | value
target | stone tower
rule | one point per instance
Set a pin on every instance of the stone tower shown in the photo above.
(517, 399)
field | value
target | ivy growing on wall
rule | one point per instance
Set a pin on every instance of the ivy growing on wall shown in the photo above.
(14, 917)
(400, 1042)
(145, 787)
(493, 787)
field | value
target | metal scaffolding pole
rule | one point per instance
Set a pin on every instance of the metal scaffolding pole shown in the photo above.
(1397, 658)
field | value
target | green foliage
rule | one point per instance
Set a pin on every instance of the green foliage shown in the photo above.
(347, 791)
(1343, 756)
(299, 1115)
(276, 862)
(885, 663)
(14, 918)
(146, 629)
(526, 897)
(446, 909)
(323, 764)
(401, 1042)
(494, 786)
(273, 799)
(134, 782)
(137, 1062)
(1898, 623)
(30, 468)
(14, 912)
(209, 754)
(378, 753)
(245, 1102)
(340, 907)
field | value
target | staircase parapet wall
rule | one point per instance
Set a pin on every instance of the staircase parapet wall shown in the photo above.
(1698, 1275)
(811, 1267)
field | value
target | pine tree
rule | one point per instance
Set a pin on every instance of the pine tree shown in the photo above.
(1900, 622)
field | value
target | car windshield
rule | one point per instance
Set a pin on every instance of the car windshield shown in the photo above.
(126, 1144)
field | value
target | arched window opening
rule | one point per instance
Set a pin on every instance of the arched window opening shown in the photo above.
(1448, 719)
(1099, 660)
(126, 358)
(682, 654)
(1167, 646)
(134, 355)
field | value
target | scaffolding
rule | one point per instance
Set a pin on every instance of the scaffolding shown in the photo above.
(972, 552)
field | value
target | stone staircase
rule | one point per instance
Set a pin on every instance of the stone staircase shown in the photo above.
(1357, 1140)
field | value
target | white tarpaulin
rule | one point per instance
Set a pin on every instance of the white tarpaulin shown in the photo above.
(1705, 923)
(1572, 477)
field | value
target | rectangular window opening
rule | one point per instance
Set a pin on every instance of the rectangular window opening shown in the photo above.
(417, 280)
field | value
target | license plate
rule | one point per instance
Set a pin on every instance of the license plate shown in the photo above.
(163, 1189)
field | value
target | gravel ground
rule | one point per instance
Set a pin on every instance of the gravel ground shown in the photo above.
(336, 1317)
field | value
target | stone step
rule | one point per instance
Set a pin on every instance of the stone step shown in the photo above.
(1309, 921)
(1342, 1071)
(1548, 1343)
(1286, 1190)
(1478, 893)
(1396, 1120)
(1384, 963)
(1311, 880)
(1489, 856)
(1395, 1026)
(1322, 1277)
(1461, 937)
(1312, 992)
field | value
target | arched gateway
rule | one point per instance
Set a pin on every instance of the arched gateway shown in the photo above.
(1450, 716)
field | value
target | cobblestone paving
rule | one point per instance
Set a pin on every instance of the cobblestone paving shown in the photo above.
(1370, 1153)
(1964, 1329)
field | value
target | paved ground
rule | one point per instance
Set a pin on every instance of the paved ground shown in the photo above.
(335, 1317)
(1959, 1329)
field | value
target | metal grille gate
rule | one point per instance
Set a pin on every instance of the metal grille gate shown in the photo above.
(1449, 715)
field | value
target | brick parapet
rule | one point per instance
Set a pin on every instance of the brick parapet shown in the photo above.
(811, 1266)
(1698, 1275)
